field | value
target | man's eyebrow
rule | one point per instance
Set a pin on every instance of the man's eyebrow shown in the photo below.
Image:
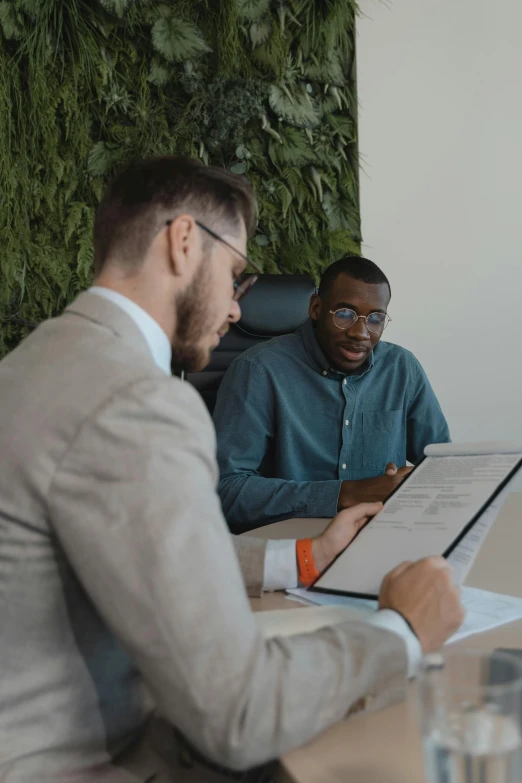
(353, 307)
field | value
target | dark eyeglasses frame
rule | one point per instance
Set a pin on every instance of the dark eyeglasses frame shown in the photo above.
(362, 317)
(245, 281)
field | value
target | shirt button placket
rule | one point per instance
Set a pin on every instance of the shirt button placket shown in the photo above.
(346, 440)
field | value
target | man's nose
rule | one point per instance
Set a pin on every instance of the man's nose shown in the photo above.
(359, 329)
(235, 312)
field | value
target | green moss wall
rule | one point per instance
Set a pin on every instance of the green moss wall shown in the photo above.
(262, 87)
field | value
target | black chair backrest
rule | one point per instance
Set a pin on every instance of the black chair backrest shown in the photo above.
(276, 305)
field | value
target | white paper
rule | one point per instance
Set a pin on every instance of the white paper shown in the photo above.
(423, 518)
(329, 599)
(465, 449)
(465, 553)
(484, 610)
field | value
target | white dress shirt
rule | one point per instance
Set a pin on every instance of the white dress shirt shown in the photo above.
(157, 340)
(280, 559)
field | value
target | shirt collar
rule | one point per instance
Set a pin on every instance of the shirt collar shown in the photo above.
(155, 337)
(319, 360)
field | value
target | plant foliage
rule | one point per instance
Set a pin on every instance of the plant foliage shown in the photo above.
(262, 87)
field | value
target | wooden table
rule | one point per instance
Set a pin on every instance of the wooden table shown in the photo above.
(385, 747)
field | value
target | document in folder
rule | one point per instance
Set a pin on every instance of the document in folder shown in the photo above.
(445, 506)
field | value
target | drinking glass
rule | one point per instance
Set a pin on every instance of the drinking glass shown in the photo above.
(471, 716)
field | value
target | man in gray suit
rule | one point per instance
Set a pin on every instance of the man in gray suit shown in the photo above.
(120, 584)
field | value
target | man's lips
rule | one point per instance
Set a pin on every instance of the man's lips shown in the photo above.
(219, 336)
(353, 353)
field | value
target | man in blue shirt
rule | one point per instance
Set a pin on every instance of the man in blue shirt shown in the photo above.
(316, 421)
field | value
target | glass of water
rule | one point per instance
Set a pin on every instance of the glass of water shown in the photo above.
(471, 714)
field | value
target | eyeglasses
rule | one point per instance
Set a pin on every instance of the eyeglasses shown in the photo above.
(244, 282)
(344, 318)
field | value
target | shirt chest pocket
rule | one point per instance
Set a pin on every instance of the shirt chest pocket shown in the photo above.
(384, 439)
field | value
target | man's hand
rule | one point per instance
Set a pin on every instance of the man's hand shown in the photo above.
(373, 489)
(340, 532)
(425, 595)
(393, 470)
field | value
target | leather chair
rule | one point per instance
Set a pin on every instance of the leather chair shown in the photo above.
(276, 305)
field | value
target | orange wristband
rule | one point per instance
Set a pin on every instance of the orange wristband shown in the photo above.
(308, 573)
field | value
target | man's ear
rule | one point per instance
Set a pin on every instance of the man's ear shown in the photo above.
(184, 245)
(315, 306)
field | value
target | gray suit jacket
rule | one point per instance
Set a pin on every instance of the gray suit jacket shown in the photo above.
(119, 584)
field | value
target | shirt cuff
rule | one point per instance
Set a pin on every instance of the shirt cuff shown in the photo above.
(280, 565)
(392, 621)
(324, 498)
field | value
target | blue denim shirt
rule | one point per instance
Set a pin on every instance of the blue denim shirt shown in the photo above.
(290, 428)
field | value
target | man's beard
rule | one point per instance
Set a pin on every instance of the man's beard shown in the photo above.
(194, 322)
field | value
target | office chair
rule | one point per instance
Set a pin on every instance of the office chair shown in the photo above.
(276, 305)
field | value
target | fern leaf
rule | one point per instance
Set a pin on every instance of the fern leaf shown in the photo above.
(343, 126)
(342, 244)
(341, 215)
(285, 196)
(101, 158)
(311, 223)
(58, 169)
(296, 185)
(84, 258)
(348, 186)
(74, 219)
(97, 188)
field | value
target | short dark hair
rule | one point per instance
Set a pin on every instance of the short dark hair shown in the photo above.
(356, 267)
(147, 193)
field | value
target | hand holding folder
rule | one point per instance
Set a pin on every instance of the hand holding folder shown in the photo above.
(444, 507)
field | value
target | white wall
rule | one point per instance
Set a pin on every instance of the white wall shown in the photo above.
(440, 93)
